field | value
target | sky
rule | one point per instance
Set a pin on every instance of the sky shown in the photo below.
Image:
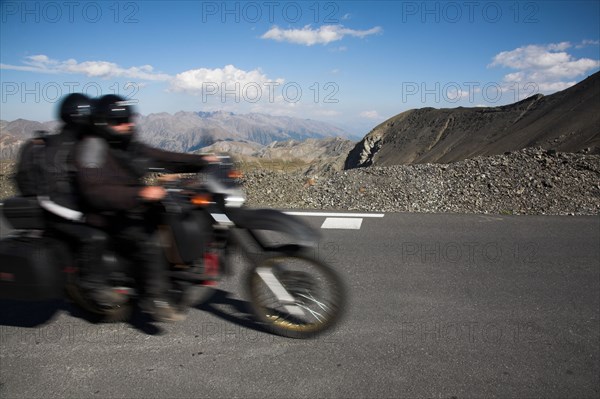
(350, 63)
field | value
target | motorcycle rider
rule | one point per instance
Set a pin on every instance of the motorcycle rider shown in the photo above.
(111, 163)
(59, 198)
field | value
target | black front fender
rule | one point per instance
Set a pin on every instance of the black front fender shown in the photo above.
(274, 220)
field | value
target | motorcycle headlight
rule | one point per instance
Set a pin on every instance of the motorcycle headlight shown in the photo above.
(234, 201)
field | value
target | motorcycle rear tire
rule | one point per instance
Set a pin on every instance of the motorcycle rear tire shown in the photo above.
(114, 315)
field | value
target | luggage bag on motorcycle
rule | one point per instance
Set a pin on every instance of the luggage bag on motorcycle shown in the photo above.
(28, 260)
(187, 235)
(30, 269)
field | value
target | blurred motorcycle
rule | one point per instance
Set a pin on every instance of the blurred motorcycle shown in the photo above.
(204, 226)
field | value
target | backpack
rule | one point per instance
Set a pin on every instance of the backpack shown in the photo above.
(46, 169)
(29, 178)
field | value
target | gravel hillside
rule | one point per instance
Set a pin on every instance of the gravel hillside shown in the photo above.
(531, 181)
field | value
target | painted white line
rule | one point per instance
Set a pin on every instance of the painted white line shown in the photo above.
(342, 223)
(332, 214)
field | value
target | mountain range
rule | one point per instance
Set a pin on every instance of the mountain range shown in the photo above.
(567, 121)
(192, 131)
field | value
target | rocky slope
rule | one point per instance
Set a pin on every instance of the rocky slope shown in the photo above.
(310, 155)
(566, 121)
(531, 181)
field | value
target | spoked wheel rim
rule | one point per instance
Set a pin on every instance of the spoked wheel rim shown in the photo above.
(296, 296)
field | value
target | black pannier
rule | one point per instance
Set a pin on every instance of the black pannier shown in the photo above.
(31, 269)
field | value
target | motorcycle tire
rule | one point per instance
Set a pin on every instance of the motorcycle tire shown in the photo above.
(113, 315)
(295, 294)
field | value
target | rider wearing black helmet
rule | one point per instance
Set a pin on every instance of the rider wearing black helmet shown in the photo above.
(76, 110)
(62, 202)
(111, 163)
(113, 120)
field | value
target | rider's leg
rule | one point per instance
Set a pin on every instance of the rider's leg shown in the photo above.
(140, 240)
(91, 244)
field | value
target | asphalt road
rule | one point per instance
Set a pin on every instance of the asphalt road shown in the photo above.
(440, 306)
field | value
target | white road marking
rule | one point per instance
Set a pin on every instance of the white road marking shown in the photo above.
(342, 223)
(333, 214)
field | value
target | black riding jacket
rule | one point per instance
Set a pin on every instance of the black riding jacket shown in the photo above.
(110, 176)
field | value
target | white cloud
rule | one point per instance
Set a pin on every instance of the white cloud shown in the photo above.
(339, 49)
(586, 43)
(454, 94)
(308, 36)
(194, 81)
(95, 69)
(226, 88)
(549, 66)
(39, 61)
(534, 57)
(224, 79)
(370, 115)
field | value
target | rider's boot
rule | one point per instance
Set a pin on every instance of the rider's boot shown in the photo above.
(161, 310)
(106, 298)
(154, 283)
(93, 273)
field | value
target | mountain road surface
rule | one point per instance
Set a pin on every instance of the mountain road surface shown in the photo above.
(440, 306)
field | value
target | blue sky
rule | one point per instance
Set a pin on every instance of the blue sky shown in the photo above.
(351, 63)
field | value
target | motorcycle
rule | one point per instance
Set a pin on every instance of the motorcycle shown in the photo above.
(204, 226)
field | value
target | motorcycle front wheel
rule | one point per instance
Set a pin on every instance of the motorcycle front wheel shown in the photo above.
(295, 294)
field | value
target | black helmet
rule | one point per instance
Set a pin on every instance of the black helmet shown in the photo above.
(76, 108)
(112, 109)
